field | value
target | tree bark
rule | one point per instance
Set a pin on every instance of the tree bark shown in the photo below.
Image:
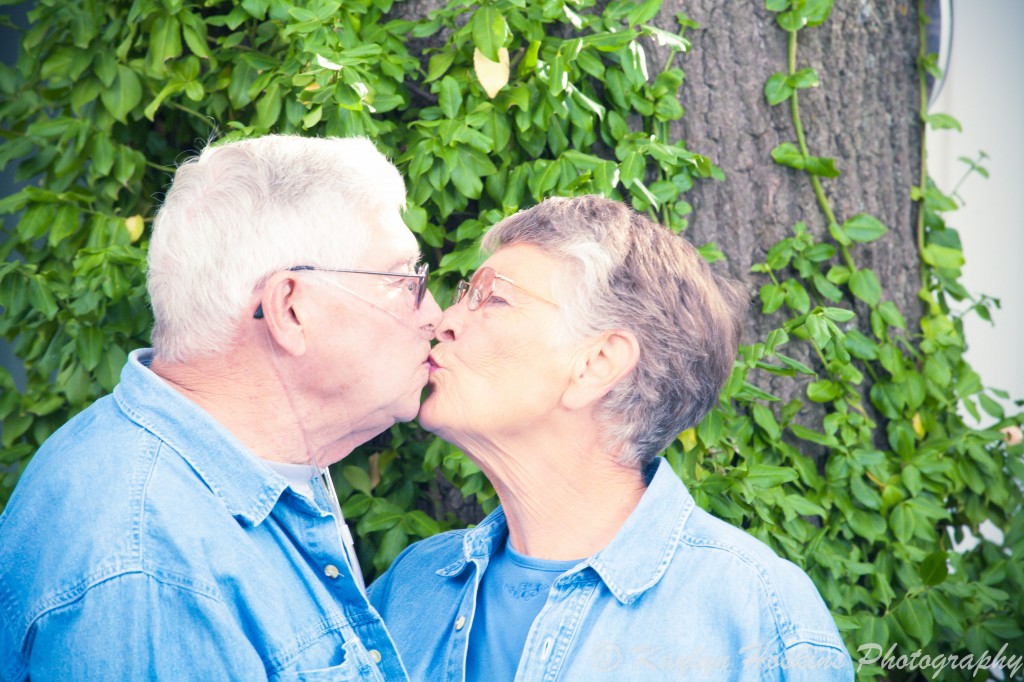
(865, 115)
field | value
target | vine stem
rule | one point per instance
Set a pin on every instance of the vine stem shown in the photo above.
(923, 90)
(187, 110)
(801, 139)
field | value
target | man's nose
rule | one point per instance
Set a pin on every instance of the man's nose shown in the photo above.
(430, 314)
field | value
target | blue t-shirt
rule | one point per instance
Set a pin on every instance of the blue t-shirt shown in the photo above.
(512, 593)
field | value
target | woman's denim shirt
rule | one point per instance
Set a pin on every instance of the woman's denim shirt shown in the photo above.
(145, 542)
(677, 595)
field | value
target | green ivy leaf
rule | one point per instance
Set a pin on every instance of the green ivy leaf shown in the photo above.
(766, 420)
(915, 617)
(490, 31)
(838, 314)
(777, 89)
(824, 391)
(804, 433)
(419, 524)
(391, 545)
(450, 97)
(863, 228)
(942, 122)
(901, 521)
(769, 476)
(786, 154)
(804, 78)
(934, 570)
(358, 479)
(439, 65)
(943, 257)
(817, 165)
(772, 298)
(864, 285)
(268, 108)
(643, 12)
(632, 168)
(124, 95)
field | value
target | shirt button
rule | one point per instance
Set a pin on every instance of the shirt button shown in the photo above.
(375, 655)
(460, 622)
(331, 571)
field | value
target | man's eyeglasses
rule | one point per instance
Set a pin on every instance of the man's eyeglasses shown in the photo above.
(481, 286)
(418, 285)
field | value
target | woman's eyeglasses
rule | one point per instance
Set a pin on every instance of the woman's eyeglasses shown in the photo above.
(481, 286)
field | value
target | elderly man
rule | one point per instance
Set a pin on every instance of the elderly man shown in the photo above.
(181, 527)
(587, 341)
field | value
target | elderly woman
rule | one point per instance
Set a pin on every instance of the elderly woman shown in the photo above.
(587, 341)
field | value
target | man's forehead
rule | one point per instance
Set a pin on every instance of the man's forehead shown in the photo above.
(391, 244)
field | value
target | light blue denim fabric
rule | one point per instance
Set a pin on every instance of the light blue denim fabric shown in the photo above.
(144, 542)
(677, 595)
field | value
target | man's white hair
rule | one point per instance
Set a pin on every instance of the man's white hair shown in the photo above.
(241, 211)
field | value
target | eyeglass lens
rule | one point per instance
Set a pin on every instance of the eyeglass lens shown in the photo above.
(479, 288)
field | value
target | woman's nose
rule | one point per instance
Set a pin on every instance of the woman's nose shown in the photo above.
(449, 321)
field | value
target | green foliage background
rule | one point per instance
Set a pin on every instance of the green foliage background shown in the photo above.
(108, 94)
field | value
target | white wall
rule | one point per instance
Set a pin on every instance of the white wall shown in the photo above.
(984, 90)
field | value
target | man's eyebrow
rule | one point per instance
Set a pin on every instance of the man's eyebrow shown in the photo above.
(406, 263)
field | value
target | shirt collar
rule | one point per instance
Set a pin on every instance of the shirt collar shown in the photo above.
(247, 488)
(479, 543)
(640, 553)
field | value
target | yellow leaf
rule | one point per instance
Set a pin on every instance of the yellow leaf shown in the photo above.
(134, 225)
(689, 439)
(918, 424)
(374, 470)
(493, 76)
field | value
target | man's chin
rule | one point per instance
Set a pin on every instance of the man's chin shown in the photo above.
(428, 413)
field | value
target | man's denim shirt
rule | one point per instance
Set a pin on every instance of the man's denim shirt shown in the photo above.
(677, 595)
(145, 542)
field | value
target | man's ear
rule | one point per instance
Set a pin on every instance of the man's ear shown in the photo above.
(279, 309)
(604, 362)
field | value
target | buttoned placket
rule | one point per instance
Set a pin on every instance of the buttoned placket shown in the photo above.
(319, 536)
(458, 643)
(555, 627)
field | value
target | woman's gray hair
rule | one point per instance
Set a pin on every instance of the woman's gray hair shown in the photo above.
(241, 211)
(625, 272)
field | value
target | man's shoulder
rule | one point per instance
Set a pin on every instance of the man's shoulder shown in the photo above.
(85, 509)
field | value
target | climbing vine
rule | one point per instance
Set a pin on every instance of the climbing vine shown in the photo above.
(512, 101)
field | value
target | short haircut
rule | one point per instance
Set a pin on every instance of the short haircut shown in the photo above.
(626, 272)
(243, 210)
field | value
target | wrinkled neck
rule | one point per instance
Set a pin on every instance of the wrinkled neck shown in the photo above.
(564, 496)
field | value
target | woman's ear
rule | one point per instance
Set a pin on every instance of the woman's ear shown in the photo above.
(279, 309)
(604, 362)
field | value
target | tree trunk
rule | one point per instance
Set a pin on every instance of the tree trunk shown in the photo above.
(865, 115)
